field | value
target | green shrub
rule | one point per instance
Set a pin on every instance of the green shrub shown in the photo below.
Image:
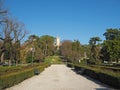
(91, 73)
(29, 59)
(110, 68)
(110, 80)
(108, 77)
(16, 77)
(77, 68)
(70, 65)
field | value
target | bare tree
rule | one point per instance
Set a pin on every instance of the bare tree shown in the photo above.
(6, 37)
(12, 34)
(3, 12)
(19, 33)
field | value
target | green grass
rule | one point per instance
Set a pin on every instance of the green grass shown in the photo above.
(53, 60)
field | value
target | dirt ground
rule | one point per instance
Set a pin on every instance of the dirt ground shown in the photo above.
(59, 77)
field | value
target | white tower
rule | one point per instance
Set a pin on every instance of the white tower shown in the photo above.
(57, 42)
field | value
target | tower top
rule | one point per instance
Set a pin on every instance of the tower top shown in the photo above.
(58, 42)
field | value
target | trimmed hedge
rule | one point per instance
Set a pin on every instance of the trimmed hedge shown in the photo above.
(113, 81)
(69, 65)
(17, 77)
(105, 76)
(115, 69)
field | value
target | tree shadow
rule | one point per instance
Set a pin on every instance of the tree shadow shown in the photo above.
(103, 86)
(103, 89)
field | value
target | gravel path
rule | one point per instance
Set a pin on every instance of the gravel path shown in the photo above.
(59, 77)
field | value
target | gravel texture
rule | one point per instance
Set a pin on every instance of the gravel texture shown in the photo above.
(59, 77)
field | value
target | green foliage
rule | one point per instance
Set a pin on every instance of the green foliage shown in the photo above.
(72, 50)
(112, 34)
(104, 75)
(70, 65)
(53, 60)
(46, 44)
(66, 49)
(94, 40)
(29, 59)
(16, 77)
(109, 68)
(111, 46)
(91, 61)
(6, 70)
(76, 45)
(95, 50)
(38, 57)
(84, 61)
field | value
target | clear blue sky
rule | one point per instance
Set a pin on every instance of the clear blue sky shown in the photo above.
(68, 19)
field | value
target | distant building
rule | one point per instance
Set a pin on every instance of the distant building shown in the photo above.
(57, 42)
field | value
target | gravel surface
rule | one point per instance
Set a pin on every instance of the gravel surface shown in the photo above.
(59, 77)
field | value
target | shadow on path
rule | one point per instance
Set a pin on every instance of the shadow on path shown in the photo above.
(95, 81)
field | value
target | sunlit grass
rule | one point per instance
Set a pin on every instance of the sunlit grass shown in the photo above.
(53, 60)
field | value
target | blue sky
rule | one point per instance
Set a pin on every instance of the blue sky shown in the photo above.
(68, 19)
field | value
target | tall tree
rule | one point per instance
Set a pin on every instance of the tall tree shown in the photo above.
(47, 44)
(112, 34)
(72, 50)
(76, 47)
(6, 37)
(3, 14)
(19, 33)
(38, 55)
(11, 36)
(66, 49)
(95, 49)
(111, 46)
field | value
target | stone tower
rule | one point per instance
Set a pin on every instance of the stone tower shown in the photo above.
(58, 42)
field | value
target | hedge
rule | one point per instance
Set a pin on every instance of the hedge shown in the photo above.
(105, 76)
(69, 65)
(17, 77)
(115, 69)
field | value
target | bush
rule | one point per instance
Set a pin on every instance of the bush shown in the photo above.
(70, 65)
(110, 80)
(115, 69)
(91, 61)
(105, 76)
(77, 68)
(29, 59)
(91, 73)
(16, 77)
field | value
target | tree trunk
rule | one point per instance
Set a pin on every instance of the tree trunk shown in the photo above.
(16, 62)
(11, 58)
(2, 57)
(10, 62)
(45, 50)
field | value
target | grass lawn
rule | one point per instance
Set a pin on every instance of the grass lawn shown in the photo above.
(53, 60)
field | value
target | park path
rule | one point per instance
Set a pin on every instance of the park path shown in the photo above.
(59, 77)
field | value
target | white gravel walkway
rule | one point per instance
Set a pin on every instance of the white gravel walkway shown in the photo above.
(59, 77)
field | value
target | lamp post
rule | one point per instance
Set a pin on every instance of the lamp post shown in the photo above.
(33, 51)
